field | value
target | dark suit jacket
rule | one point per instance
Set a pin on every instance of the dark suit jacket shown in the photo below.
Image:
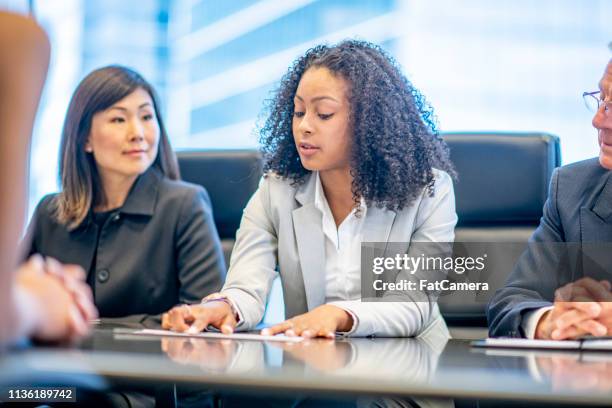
(577, 214)
(159, 249)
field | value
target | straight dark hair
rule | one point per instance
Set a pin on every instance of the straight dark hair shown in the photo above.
(81, 184)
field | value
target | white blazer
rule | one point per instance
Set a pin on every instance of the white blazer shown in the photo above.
(281, 233)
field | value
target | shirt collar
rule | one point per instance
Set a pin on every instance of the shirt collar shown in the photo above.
(320, 201)
(142, 197)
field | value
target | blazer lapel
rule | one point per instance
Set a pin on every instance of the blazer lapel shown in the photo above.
(596, 235)
(376, 232)
(377, 225)
(310, 243)
(596, 223)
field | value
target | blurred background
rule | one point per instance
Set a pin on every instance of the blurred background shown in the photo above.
(507, 65)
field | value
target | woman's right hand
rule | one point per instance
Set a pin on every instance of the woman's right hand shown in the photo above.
(196, 318)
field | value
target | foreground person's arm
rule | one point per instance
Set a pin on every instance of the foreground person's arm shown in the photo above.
(50, 305)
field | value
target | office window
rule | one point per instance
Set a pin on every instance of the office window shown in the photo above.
(507, 65)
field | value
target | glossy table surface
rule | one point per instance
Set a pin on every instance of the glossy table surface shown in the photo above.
(430, 366)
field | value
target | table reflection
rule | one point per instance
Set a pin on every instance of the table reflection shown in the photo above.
(214, 355)
(579, 372)
(411, 360)
(585, 372)
(343, 368)
(236, 356)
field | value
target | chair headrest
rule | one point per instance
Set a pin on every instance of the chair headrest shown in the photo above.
(230, 177)
(503, 177)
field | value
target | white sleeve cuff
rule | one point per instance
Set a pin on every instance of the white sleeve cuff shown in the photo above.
(530, 321)
(353, 316)
(360, 327)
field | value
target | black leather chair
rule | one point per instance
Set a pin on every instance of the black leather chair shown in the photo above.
(502, 185)
(503, 182)
(230, 177)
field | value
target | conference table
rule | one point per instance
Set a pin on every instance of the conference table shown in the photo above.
(430, 370)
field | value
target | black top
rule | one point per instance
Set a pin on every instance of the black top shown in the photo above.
(159, 249)
(99, 218)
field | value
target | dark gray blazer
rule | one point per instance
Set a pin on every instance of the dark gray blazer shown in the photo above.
(578, 211)
(159, 249)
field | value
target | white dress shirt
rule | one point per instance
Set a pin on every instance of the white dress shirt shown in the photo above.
(342, 249)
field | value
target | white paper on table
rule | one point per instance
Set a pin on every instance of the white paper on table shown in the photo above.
(528, 343)
(590, 344)
(212, 335)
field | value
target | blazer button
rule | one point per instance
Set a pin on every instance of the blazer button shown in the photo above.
(116, 217)
(103, 275)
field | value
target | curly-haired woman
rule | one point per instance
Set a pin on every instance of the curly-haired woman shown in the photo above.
(352, 155)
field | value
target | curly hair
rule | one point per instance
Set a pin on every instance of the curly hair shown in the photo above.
(395, 142)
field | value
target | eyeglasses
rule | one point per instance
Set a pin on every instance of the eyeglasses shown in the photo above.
(593, 102)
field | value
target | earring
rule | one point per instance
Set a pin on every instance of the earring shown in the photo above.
(88, 150)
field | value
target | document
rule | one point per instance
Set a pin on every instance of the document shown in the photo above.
(591, 343)
(214, 335)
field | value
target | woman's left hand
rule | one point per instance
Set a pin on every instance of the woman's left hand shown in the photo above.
(323, 321)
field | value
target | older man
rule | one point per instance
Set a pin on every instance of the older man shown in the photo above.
(537, 301)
